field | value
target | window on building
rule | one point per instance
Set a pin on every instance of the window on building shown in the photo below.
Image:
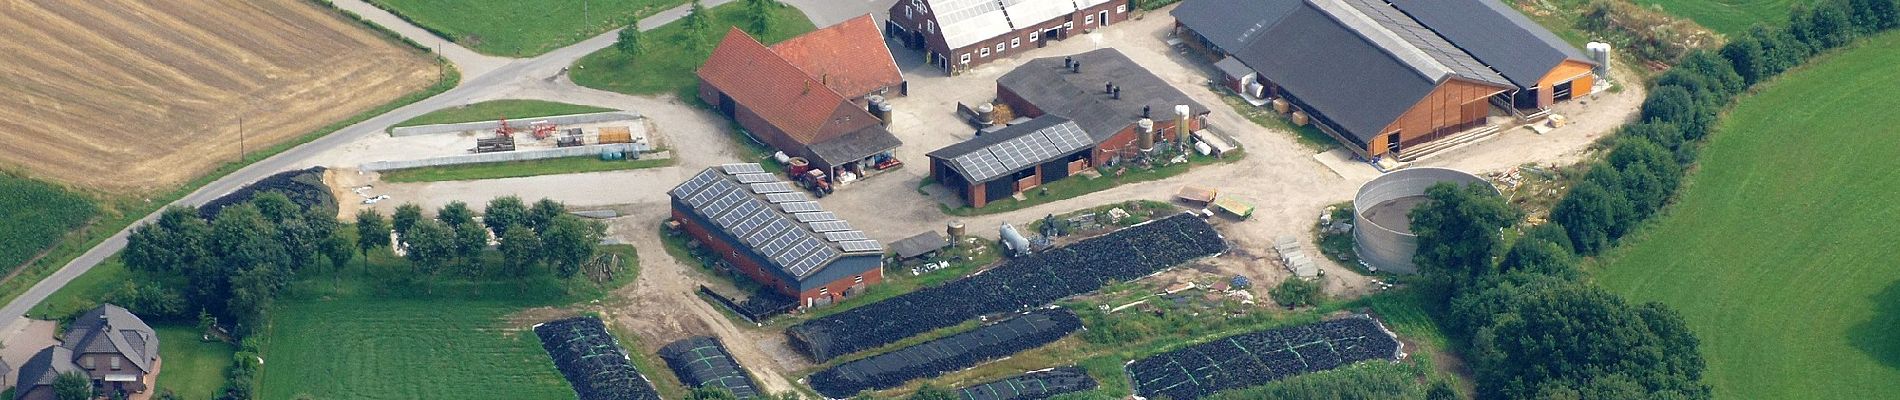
(907, 11)
(115, 363)
(858, 279)
(1015, 42)
(983, 52)
(930, 26)
(999, 47)
(1070, 24)
(966, 58)
(86, 361)
(824, 291)
(1121, 9)
(1032, 35)
(1089, 20)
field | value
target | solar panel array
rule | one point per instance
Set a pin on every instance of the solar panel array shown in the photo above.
(1027, 150)
(755, 178)
(768, 215)
(800, 207)
(743, 168)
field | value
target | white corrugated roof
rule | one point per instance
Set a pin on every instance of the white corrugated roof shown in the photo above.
(975, 28)
(1027, 12)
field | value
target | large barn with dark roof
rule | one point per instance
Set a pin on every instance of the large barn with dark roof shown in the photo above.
(1387, 77)
(1086, 110)
(775, 234)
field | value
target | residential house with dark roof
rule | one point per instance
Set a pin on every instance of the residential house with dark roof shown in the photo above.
(108, 344)
(807, 96)
(770, 231)
(958, 34)
(1387, 77)
(1089, 109)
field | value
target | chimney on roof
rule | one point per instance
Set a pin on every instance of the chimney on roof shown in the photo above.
(1076, 68)
(1108, 88)
(1117, 94)
(1068, 61)
(1144, 112)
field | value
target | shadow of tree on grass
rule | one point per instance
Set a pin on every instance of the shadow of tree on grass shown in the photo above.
(1879, 336)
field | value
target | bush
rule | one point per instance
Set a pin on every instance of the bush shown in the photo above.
(1296, 292)
(151, 301)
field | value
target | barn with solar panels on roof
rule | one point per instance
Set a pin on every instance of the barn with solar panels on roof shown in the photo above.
(775, 234)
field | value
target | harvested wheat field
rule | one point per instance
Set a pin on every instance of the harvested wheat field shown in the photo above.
(129, 96)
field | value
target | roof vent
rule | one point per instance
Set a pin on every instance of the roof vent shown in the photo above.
(1117, 94)
(1076, 68)
(1068, 61)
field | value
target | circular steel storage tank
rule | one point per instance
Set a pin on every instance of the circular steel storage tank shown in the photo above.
(1382, 232)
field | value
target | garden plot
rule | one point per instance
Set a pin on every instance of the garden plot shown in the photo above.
(1034, 385)
(949, 354)
(701, 361)
(1256, 358)
(1033, 281)
(593, 360)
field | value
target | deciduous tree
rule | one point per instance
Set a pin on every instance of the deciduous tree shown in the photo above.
(72, 386)
(759, 16)
(629, 41)
(1459, 230)
(571, 241)
(503, 213)
(520, 250)
(407, 215)
(175, 242)
(455, 214)
(431, 245)
(372, 232)
(543, 213)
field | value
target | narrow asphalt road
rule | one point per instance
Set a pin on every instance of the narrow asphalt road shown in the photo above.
(483, 77)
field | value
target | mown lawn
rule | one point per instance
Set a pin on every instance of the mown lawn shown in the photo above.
(496, 109)
(521, 28)
(372, 334)
(516, 169)
(1779, 254)
(194, 369)
(1728, 17)
(669, 62)
(34, 215)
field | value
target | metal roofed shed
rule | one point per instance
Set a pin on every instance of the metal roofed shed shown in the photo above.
(778, 239)
(1013, 148)
(920, 245)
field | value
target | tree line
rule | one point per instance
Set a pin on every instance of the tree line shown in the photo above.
(1532, 326)
(234, 265)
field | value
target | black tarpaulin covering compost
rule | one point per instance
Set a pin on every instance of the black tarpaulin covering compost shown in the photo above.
(593, 361)
(1256, 358)
(702, 361)
(1031, 386)
(949, 354)
(1032, 281)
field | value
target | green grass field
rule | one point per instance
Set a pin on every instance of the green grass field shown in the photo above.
(521, 28)
(405, 349)
(1728, 17)
(668, 65)
(371, 334)
(494, 109)
(516, 169)
(1779, 254)
(36, 215)
(194, 369)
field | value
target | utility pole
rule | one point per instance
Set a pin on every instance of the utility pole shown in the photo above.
(240, 137)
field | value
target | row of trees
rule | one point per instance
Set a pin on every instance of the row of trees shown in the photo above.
(1533, 328)
(527, 237)
(1647, 164)
(699, 27)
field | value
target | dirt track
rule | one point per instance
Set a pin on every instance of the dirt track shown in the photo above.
(131, 96)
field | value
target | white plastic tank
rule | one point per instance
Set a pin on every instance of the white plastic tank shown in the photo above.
(781, 157)
(1600, 53)
(1017, 244)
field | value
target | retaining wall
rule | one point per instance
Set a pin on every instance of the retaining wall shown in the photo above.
(1391, 248)
(518, 123)
(505, 156)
